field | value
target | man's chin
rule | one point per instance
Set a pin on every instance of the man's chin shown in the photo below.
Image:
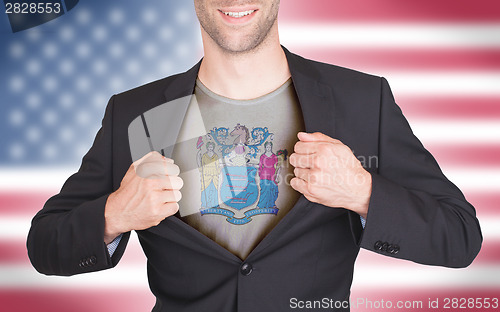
(233, 46)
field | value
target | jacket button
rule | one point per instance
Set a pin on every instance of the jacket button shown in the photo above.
(395, 249)
(246, 269)
(378, 245)
(384, 246)
(390, 249)
(93, 260)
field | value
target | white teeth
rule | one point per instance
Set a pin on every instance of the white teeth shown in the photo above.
(239, 14)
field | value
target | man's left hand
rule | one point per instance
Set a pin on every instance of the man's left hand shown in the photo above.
(327, 172)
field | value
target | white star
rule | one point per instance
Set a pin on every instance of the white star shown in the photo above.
(82, 83)
(16, 50)
(165, 33)
(83, 49)
(116, 49)
(16, 118)
(66, 33)
(49, 117)
(83, 16)
(33, 134)
(99, 67)
(116, 16)
(66, 134)
(49, 151)
(66, 67)
(132, 33)
(17, 151)
(50, 83)
(33, 67)
(66, 100)
(50, 50)
(16, 84)
(33, 100)
(99, 33)
(149, 16)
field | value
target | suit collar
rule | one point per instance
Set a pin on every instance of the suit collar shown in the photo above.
(315, 96)
(183, 84)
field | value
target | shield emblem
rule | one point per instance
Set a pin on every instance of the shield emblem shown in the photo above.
(239, 188)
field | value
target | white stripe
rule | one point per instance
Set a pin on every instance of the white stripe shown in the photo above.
(16, 228)
(130, 276)
(24, 178)
(123, 277)
(470, 83)
(385, 276)
(456, 131)
(391, 276)
(333, 35)
(472, 180)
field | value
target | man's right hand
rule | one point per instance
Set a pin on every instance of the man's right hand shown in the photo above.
(148, 193)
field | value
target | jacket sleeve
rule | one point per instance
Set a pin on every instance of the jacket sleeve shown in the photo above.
(67, 235)
(415, 212)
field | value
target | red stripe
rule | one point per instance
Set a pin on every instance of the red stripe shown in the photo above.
(486, 204)
(106, 300)
(77, 300)
(450, 107)
(383, 60)
(13, 252)
(391, 11)
(463, 156)
(368, 299)
(18, 202)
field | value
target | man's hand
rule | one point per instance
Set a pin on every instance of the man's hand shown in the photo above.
(148, 193)
(327, 172)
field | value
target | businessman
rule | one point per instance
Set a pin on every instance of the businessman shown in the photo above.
(237, 233)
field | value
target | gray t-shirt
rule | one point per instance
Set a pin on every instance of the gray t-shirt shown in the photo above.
(233, 156)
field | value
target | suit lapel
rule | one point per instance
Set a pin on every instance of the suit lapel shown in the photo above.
(315, 98)
(317, 105)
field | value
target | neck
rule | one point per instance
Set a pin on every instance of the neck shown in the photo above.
(247, 75)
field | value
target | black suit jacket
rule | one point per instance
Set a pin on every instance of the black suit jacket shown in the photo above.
(415, 213)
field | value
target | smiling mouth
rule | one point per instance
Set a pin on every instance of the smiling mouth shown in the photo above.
(239, 14)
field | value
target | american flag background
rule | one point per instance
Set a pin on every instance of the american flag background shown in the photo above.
(441, 57)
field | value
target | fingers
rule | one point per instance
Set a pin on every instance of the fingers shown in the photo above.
(316, 137)
(171, 208)
(302, 174)
(157, 169)
(149, 156)
(170, 196)
(171, 183)
(302, 161)
(301, 186)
